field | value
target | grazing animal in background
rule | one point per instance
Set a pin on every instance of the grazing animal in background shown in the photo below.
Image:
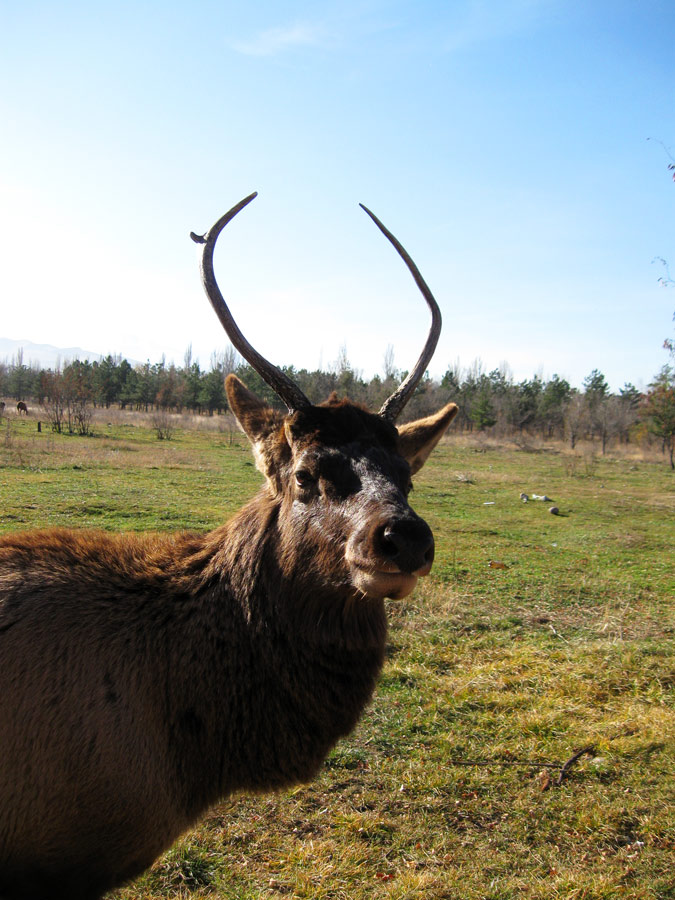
(21, 407)
(144, 677)
(2, 407)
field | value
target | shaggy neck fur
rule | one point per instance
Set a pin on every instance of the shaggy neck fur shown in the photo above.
(292, 665)
(315, 652)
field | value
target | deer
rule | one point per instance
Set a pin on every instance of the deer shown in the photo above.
(145, 677)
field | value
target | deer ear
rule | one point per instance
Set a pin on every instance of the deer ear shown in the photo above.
(417, 439)
(262, 425)
(256, 419)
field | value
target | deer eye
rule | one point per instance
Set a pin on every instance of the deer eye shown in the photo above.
(304, 479)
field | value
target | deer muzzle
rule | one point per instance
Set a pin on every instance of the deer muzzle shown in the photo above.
(388, 556)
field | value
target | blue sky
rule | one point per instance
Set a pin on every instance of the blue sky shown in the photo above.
(505, 143)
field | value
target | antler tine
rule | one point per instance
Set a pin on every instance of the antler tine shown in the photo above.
(391, 408)
(280, 383)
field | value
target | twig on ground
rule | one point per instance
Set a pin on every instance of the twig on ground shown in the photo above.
(528, 763)
(590, 750)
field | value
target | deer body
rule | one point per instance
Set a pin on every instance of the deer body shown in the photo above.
(143, 677)
(144, 697)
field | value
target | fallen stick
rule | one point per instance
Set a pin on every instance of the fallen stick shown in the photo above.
(527, 763)
(570, 762)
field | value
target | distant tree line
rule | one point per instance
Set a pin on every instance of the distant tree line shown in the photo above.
(488, 401)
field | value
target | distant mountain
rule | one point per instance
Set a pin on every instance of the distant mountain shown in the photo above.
(44, 355)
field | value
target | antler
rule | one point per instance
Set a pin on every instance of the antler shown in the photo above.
(280, 383)
(391, 408)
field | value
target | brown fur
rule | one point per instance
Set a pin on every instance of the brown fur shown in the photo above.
(21, 407)
(143, 677)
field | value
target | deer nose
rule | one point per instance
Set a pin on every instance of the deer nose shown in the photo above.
(408, 543)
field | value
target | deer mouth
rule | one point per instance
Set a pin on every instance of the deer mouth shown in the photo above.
(386, 560)
(387, 581)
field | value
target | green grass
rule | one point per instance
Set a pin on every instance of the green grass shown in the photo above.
(447, 789)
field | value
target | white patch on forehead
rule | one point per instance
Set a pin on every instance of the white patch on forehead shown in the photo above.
(372, 469)
(373, 481)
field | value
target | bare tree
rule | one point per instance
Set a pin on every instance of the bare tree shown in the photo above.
(576, 418)
(389, 367)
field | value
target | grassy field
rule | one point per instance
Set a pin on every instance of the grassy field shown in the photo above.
(536, 637)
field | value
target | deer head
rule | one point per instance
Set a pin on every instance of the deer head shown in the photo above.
(340, 474)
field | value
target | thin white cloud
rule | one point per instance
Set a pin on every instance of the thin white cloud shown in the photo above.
(278, 40)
